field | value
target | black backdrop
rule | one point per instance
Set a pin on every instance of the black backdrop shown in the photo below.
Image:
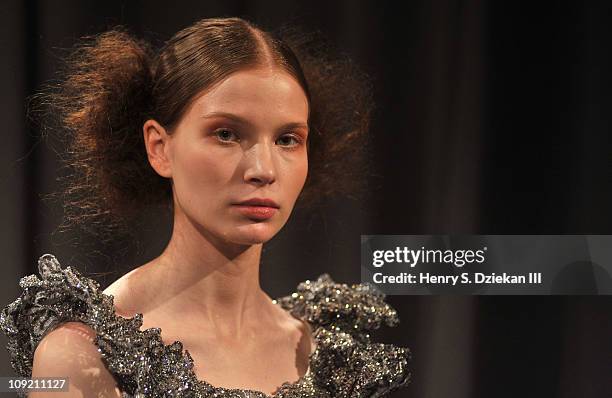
(492, 118)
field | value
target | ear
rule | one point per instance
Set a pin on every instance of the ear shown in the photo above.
(157, 144)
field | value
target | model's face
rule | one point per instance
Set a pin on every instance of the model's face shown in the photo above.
(243, 139)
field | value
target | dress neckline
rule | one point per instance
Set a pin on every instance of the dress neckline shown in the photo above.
(205, 384)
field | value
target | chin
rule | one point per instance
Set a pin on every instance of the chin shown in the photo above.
(254, 234)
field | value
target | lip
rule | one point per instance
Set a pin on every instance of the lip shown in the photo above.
(257, 212)
(258, 208)
(265, 202)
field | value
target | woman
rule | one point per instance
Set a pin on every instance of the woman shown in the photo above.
(220, 124)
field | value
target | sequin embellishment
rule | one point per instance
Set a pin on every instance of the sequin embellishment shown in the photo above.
(345, 363)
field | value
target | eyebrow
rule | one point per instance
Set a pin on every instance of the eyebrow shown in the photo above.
(244, 121)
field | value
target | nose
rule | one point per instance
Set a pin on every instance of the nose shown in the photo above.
(260, 167)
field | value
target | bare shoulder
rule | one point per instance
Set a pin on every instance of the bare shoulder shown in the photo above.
(119, 286)
(70, 351)
(128, 290)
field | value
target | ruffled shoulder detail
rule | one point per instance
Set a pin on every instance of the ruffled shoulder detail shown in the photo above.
(345, 367)
(356, 309)
(346, 363)
(63, 295)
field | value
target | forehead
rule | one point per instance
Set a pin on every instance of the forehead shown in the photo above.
(256, 93)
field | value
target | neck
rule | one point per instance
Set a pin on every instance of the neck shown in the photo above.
(201, 277)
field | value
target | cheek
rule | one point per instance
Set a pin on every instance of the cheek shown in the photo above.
(304, 173)
(199, 174)
(296, 175)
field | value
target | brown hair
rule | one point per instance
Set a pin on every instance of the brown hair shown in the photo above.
(114, 82)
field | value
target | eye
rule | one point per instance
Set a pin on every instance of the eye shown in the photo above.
(289, 140)
(225, 135)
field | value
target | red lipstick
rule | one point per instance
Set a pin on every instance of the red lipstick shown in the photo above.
(258, 208)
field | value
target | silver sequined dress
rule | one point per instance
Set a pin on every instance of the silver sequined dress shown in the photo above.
(345, 363)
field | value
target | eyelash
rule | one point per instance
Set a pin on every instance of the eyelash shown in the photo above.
(298, 140)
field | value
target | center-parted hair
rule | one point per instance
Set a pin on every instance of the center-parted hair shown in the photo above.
(113, 82)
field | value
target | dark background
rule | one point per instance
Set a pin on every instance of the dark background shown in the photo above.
(492, 118)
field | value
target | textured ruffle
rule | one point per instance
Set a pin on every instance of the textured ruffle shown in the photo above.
(61, 295)
(349, 368)
(345, 363)
(64, 295)
(356, 309)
